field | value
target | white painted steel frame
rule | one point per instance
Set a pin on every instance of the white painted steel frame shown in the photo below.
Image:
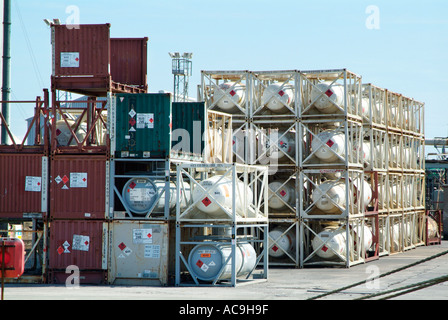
(355, 252)
(258, 238)
(291, 258)
(251, 176)
(210, 81)
(353, 133)
(262, 80)
(347, 79)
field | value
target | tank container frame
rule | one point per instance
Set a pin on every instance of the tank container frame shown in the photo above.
(249, 175)
(253, 233)
(311, 179)
(355, 250)
(271, 137)
(210, 84)
(288, 80)
(123, 170)
(349, 82)
(352, 155)
(96, 135)
(219, 129)
(288, 228)
(375, 97)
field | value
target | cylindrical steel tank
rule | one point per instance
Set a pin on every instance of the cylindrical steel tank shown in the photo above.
(228, 101)
(287, 193)
(330, 97)
(331, 194)
(285, 146)
(338, 241)
(63, 133)
(140, 193)
(206, 260)
(277, 96)
(329, 145)
(222, 194)
(284, 242)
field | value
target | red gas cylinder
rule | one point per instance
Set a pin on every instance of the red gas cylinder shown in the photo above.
(14, 257)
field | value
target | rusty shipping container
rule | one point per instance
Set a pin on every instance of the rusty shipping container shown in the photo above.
(84, 61)
(78, 243)
(78, 187)
(23, 185)
(128, 64)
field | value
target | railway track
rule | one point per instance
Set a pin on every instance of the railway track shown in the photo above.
(391, 293)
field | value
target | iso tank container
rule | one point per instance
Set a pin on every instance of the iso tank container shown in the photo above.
(78, 187)
(151, 126)
(23, 185)
(78, 243)
(139, 253)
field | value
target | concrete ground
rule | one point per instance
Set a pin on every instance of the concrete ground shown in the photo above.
(282, 284)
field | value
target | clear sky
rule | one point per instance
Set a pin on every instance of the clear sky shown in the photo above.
(397, 45)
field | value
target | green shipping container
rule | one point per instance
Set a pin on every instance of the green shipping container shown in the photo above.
(150, 125)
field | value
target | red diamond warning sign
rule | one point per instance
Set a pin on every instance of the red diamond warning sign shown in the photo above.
(122, 246)
(324, 249)
(199, 263)
(232, 93)
(275, 248)
(132, 121)
(330, 143)
(132, 185)
(329, 93)
(283, 193)
(149, 235)
(281, 93)
(206, 201)
(60, 250)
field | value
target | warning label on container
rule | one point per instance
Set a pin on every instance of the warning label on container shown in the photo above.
(69, 59)
(78, 179)
(33, 184)
(142, 235)
(80, 242)
(145, 120)
(152, 251)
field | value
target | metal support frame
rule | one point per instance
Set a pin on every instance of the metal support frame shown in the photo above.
(156, 169)
(290, 229)
(256, 234)
(96, 126)
(250, 176)
(210, 87)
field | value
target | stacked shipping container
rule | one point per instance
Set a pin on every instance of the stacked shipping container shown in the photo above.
(85, 61)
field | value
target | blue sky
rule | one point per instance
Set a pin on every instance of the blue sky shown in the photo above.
(407, 54)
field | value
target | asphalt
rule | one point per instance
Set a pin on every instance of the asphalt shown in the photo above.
(282, 284)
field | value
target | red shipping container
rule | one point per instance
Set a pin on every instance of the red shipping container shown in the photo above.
(23, 185)
(83, 63)
(79, 244)
(128, 64)
(78, 187)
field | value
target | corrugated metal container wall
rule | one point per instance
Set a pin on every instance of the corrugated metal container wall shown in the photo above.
(143, 124)
(23, 184)
(190, 116)
(139, 253)
(78, 187)
(128, 64)
(79, 243)
(81, 51)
